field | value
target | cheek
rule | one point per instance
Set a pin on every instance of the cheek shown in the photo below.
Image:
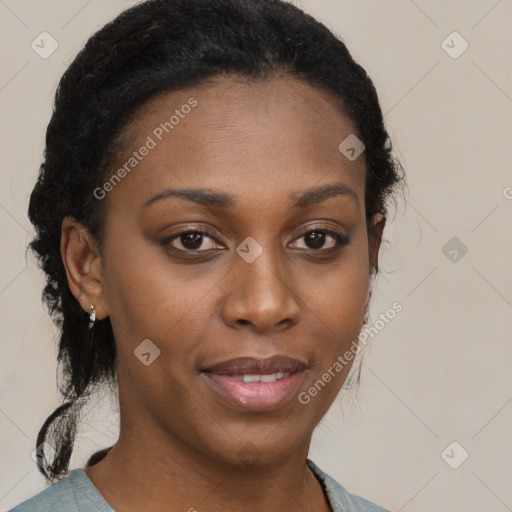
(143, 289)
(335, 303)
(339, 292)
(150, 298)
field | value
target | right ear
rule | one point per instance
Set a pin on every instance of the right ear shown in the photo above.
(82, 261)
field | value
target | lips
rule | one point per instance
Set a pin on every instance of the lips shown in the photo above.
(254, 366)
(253, 384)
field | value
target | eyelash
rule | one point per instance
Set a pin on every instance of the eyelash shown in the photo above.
(340, 241)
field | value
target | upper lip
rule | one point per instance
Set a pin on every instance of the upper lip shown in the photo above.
(256, 366)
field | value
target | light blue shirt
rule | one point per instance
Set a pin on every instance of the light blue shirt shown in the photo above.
(76, 493)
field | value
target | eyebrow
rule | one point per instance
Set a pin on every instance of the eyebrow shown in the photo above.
(299, 199)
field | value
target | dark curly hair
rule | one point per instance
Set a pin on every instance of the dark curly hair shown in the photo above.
(159, 46)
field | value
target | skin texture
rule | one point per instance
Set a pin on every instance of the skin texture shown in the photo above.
(259, 142)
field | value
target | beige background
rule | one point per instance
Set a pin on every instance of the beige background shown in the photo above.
(441, 370)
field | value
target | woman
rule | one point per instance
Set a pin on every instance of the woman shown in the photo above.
(209, 214)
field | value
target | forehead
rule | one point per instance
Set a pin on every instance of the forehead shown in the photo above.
(238, 135)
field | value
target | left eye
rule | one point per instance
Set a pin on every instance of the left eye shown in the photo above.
(316, 239)
(191, 241)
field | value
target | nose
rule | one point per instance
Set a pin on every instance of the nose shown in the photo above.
(261, 295)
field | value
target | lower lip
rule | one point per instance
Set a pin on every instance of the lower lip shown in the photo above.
(254, 396)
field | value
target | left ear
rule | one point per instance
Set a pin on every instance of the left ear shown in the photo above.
(376, 228)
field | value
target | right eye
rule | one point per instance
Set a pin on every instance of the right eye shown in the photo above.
(190, 241)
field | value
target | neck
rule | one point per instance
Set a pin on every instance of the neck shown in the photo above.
(163, 471)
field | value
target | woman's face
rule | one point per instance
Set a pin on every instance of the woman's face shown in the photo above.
(271, 279)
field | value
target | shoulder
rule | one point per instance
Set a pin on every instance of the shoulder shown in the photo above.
(74, 493)
(340, 499)
(59, 496)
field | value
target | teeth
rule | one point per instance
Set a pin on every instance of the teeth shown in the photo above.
(251, 378)
(272, 377)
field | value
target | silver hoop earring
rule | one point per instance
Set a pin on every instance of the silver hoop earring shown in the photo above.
(92, 316)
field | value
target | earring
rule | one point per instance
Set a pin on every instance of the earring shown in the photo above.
(366, 316)
(92, 316)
